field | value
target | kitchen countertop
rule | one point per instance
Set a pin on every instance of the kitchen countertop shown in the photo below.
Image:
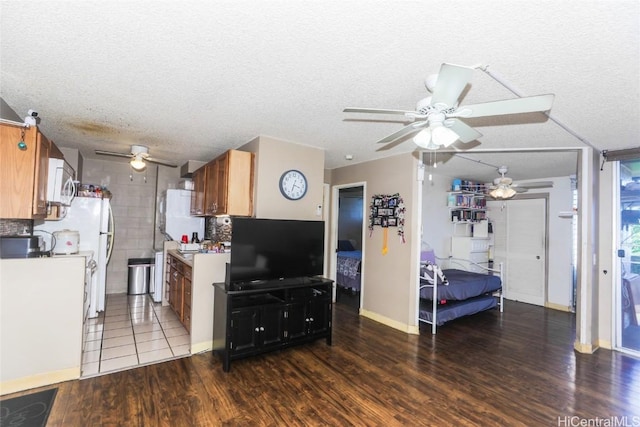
(187, 257)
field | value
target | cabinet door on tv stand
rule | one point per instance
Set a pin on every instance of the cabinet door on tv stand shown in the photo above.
(272, 324)
(297, 320)
(245, 330)
(319, 315)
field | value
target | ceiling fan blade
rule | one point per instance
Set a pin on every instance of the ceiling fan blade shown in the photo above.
(508, 106)
(402, 132)
(465, 132)
(452, 80)
(376, 111)
(161, 162)
(112, 153)
(536, 184)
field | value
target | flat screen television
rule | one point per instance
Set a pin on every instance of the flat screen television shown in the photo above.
(264, 251)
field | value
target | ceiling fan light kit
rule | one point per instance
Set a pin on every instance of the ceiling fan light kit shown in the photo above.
(137, 163)
(502, 187)
(434, 136)
(502, 192)
(440, 114)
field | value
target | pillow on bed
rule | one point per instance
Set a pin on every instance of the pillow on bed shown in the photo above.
(426, 271)
(345, 245)
(428, 256)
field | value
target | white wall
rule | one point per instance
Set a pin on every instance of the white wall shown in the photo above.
(41, 302)
(273, 157)
(436, 222)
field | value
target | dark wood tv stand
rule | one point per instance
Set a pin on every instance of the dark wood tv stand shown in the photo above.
(271, 316)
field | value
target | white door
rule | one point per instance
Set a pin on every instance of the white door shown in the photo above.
(520, 243)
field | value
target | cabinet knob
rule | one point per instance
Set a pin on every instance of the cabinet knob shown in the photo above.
(257, 329)
(311, 319)
(262, 328)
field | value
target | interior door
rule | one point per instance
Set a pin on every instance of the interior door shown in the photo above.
(520, 243)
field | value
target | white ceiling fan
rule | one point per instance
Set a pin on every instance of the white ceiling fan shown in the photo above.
(437, 118)
(504, 187)
(139, 155)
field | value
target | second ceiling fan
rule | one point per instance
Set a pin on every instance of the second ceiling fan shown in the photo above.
(504, 187)
(139, 155)
(437, 118)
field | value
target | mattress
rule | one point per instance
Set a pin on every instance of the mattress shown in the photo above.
(463, 285)
(454, 309)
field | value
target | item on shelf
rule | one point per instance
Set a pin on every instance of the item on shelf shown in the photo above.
(93, 190)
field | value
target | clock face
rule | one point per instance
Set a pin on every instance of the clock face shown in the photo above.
(293, 185)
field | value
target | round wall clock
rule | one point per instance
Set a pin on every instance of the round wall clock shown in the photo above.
(293, 184)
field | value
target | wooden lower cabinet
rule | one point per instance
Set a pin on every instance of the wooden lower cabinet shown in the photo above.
(179, 282)
(252, 322)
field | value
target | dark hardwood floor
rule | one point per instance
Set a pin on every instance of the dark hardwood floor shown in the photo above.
(518, 368)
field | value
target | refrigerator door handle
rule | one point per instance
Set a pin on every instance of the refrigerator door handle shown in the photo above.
(110, 233)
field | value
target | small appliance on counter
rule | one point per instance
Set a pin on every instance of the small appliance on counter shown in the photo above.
(189, 247)
(66, 242)
(22, 247)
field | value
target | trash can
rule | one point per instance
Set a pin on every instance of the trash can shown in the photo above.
(140, 272)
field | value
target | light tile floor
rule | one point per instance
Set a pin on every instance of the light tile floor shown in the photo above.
(132, 331)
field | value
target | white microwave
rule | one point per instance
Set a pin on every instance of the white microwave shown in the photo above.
(61, 188)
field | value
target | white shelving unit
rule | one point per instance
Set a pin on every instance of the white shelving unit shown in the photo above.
(470, 240)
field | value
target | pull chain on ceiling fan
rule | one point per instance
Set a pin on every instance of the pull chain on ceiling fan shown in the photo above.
(438, 118)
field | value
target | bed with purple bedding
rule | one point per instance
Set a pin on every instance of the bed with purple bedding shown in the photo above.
(348, 267)
(348, 270)
(448, 294)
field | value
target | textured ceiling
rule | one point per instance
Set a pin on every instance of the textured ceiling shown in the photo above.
(193, 79)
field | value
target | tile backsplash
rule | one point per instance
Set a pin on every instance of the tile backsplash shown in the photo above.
(15, 226)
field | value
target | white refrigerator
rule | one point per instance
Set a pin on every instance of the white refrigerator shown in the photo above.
(175, 215)
(175, 222)
(93, 219)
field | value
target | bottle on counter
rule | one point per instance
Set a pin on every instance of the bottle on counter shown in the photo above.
(194, 237)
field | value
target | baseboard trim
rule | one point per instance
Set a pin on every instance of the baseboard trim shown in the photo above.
(558, 307)
(605, 344)
(201, 347)
(414, 330)
(33, 381)
(584, 348)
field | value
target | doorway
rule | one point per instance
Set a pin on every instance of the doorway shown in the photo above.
(520, 227)
(629, 257)
(349, 225)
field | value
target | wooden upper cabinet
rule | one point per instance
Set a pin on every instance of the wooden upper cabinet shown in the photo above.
(23, 172)
(210, 193)
(228, 188)
(197, 195)
(42, 176)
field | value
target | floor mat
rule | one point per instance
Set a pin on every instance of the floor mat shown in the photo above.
(30, 410)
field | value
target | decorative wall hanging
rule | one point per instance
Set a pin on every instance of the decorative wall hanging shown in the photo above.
(387, 211)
